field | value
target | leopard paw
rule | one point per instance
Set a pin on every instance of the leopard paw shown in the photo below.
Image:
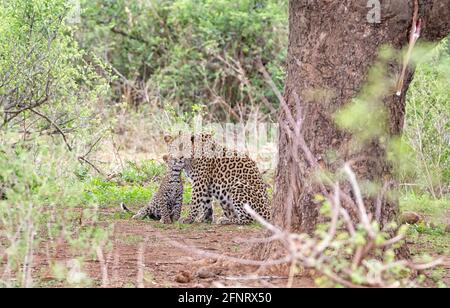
(224, 221)
(187, 221)
(166, 221)
(206, 219)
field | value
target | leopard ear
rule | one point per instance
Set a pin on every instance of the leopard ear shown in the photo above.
(168, 139)
(166, 158)
(204, 136)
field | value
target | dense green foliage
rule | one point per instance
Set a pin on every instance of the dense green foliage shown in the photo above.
(134, 186)
(185, 52)
(427, 125)
(171, 59)
(46, 84)
(48, 96)
(42, 202)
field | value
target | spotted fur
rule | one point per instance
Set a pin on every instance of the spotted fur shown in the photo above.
(228, 176)
(167, 202)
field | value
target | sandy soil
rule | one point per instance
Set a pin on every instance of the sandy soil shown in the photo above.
(150, 254)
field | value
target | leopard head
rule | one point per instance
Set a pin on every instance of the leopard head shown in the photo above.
(174, 164)
(191, 145)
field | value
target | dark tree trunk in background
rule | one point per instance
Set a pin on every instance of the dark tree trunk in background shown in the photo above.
(332, 46)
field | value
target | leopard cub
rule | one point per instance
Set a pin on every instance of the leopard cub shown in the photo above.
(167, 202)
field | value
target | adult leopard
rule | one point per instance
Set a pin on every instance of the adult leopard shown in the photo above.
(227, 175)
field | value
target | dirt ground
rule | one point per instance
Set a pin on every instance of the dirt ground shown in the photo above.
(153, 255)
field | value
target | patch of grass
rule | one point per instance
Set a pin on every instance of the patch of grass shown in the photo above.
(187, 192)
(435, 211)
(179, 226)
(107, 193)
(428, 236)
(149, 278)
(236, 248)
(429, 239)
(143, 172)
(131, 239)
(47, 283)
(120, 215)
(255, 226)
(438, 276)
(430, 243)
(129, 285)
(428, 229)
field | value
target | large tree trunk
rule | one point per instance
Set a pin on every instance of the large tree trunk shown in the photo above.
(332, 46)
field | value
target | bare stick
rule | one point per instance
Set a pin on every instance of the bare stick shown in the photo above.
(28, 262)
(141, 265)
(413, 37)
(84, 159)
(103, 267)
(60, 131)
(359, 201)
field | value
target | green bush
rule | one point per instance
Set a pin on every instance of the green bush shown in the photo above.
(143, 172)
(46, 84)
(47, 90)
(42, 203)
(136, 186)
(190, 51)
(111, 194)
(427, 126)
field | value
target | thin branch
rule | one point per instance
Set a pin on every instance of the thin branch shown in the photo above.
(413, 37)
(85, 160)
(359, 201)
(129, 35)
(60, 131)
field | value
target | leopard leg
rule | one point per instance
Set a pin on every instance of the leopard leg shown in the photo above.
(150, 211)
(201, 201)
(235, 216)
(227, 216)
(166, 213)
(176, 210)
(142, 213)
(206, 211)
(228, 212)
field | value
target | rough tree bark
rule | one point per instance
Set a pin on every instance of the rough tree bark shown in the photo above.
(332, 46)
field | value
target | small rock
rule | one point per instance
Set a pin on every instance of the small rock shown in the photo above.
(204, 262)
(207, 273)
(183, 277)
(410, 218)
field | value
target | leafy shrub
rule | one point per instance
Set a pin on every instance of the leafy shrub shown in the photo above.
(41, 203)
(144, 172)
(45, 83)
(136, 186)
(190, 51)
(112, 194)
(427, 126)
(47, 89)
